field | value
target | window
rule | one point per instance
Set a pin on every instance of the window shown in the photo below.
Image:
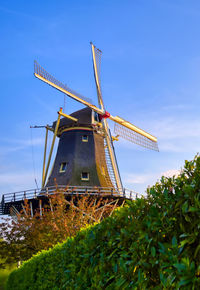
(85, 176)
(96, 117)
(63, 167)
(85, 138)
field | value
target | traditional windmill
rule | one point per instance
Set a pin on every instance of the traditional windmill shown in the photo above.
(85, 153)
(85, 161)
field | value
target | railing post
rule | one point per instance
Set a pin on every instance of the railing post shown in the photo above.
(130, 194)
(14, 196)
(124, 193)
(24, 194)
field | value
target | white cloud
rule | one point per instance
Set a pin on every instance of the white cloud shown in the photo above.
(179, 146)
(171, 173)
(176, 107)
(23, 142)
(134, 178)
(12, 182)
(148, 179)
(17, 145)
(172, 128)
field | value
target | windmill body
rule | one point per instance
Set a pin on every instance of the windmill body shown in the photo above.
(80, 159)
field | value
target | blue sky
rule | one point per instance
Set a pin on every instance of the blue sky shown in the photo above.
(150, 76)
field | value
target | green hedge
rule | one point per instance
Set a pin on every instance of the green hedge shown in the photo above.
(151, 243)
(4, 273)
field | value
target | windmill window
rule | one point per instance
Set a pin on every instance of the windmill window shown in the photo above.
(85, 138)
(85, 176)
(63, 167)
(96, 117)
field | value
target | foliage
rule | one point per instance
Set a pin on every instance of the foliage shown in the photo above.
(152, 243)
(4, 273)
(26, 234)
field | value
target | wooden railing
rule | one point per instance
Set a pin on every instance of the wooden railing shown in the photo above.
(35, 193)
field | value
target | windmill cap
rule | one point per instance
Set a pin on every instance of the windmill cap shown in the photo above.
(84, 117)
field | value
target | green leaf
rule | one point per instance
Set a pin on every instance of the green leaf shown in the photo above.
(184, 282)
(115, 268)
(193, 209)
(188, 219)
(153, 251)
(183, 236)
(179, 266)
(196, 251)
(183, 243)
(185, 207)
(120, 282)
(174, 241)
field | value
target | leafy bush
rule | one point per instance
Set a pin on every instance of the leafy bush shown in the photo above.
(28, 233)
(151, 243)
(4, 273)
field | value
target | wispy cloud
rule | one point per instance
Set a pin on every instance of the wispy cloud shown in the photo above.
(134, 178)
(173, 128)
(12, 182)
(171, 173)
(140, 182)
(176, 107)
(20, 14)
(23, 142)
(13, 145)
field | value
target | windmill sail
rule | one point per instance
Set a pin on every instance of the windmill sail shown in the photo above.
(109, 149)
(135, 137)
(42, 74)
(96, 56)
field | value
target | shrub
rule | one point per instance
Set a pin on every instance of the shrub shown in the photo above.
(151, 243)
(4, 273)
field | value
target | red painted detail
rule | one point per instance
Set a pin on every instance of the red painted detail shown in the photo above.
(104, 116)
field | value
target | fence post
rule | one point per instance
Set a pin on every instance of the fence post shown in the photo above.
(124, 193)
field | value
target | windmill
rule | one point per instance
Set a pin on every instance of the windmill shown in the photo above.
(85, 161)
(99, 126)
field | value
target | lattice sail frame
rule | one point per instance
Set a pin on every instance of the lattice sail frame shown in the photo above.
(39, 70)
(135, 137)
(98, 54)
(111, 161)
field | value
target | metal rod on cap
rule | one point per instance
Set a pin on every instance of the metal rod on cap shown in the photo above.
(52, 146)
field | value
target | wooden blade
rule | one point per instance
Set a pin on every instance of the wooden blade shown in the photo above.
(96, 57)
(43, 75)
(135, 137)
(132, 127)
